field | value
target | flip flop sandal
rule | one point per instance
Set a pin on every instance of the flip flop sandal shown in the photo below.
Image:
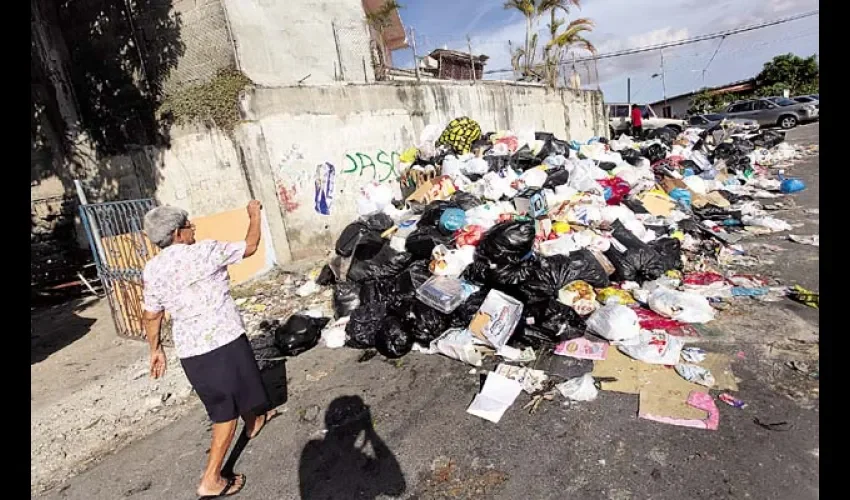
(231, 480)
(266, 420)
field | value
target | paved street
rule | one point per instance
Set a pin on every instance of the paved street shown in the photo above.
(421, 443)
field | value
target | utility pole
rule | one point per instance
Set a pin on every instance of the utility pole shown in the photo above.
(471, 57)
(415, 58)
(663, 81)
(628, 91)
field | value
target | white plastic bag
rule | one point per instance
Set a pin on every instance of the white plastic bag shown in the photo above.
(695, 374)
(681, 306)
(579, 389)
(534, 177)
(614, 322)
(654, 347)
(459, 344)
(374, 197)
(333, 335)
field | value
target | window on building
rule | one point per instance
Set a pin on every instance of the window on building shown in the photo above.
(667, 112)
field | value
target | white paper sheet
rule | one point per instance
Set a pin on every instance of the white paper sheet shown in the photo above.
(498, 394)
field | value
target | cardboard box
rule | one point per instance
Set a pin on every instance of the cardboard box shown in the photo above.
(531, 202)
(496, 319)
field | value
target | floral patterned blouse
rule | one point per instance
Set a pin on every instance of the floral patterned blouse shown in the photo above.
(191, 283)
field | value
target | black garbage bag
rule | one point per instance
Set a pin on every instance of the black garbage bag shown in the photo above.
(392, 340)
(465, 201)
(557, 177)
(664, 134)
(524, 159)
(432, 212)
(382, 291)
(551, 146)
(638, 263)
(425, 322)
(558, 322)
(416, 274)
(346, 298)
(462, 316)
(387, 263)
(557, 271)
(768, 139)
(507, 242)
(717, 214)
(734, 198)
(363, 325)
(365, 235)
(497, 162)
(326, 276)
(654, 153)
(634, 205)
(631, 156)
(421, 242)
(607, 165)
(670, 252)
(724, 151)
(300, 333)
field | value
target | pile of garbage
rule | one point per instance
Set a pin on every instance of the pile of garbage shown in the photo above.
(516, 245)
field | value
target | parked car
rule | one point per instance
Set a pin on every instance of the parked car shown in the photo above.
(808, 99)
(773, 111)
(712, 120)
(620, 119)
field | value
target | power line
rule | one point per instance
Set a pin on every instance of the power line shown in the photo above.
(686, 41)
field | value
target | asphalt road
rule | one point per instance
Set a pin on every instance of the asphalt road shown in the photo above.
(420, 443)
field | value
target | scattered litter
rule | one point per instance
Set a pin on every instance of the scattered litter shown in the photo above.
(813, 240)
(532, 380)
(497, 395)
(696, 374)
(804, 296)
(732, 401)
(308, 288)
(654, 347)
(775, 426)
(582, 348)
(693, 355)
(579, 389)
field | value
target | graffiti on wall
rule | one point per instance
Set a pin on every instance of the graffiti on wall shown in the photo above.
(287, 197)
(379, 167)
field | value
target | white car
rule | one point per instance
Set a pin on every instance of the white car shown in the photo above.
(620, 119)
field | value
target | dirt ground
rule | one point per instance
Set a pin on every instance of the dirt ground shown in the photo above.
(120, 422)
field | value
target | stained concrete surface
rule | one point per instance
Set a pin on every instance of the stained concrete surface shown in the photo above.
(585, 450)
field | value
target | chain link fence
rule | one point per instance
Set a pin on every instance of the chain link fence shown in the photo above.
(357, 56)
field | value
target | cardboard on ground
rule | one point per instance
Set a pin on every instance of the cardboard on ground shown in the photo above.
(662, 391)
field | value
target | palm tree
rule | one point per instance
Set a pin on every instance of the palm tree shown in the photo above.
(379, 21)
(572, 36)
(523, 58)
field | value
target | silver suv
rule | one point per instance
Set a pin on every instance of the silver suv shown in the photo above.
(773, 111)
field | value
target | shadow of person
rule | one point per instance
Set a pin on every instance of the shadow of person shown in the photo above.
(351, 462)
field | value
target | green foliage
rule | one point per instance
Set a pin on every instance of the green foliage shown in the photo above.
(800, 76)
(215, 102)
(788, 72)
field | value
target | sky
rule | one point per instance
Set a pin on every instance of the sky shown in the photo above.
(621, 24)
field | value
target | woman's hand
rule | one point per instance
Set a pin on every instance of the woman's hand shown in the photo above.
(254, 208)
(158, 363)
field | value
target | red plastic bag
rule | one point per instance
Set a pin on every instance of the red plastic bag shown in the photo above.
(650, 320)
(469, 235)
(702, 278)
(619, 189)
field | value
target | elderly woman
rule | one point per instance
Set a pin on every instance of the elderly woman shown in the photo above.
(189, 280)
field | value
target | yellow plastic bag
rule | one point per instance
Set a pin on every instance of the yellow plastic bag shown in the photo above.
(622, 297)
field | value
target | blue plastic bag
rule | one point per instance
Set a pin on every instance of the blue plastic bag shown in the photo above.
(681, 195)
(789, 186)
(453, 219)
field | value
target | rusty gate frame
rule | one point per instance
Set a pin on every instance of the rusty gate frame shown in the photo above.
(121, 250)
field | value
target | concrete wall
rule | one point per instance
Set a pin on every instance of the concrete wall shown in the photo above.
(361, 129)
(281, 43)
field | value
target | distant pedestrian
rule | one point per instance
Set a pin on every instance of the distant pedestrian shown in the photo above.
(637, 122)
(189, 280)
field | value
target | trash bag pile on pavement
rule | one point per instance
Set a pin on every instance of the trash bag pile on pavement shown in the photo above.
(517, 246)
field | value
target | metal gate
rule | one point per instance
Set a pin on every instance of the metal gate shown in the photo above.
(121, 250)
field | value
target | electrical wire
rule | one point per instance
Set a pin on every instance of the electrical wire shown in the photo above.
(685, 41)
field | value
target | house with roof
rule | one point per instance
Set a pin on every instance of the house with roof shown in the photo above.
(677, 106)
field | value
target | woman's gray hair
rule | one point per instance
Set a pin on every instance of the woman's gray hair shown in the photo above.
(161, 222)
